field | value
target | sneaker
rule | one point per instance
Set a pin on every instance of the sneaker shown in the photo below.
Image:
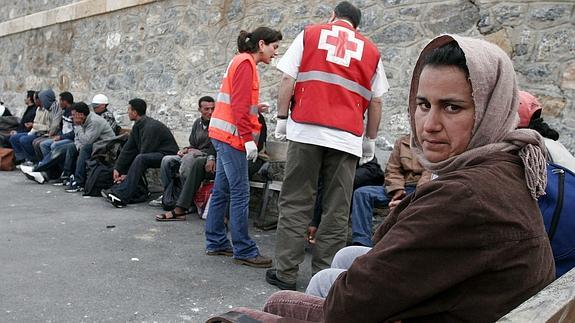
(258, 261)
(74, 188)
(112, 198)
(225, 252)
(28, 163)
(157, 202)
(272, 278)
(26, 169)
(38, 177)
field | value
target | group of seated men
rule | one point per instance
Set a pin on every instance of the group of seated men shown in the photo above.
(54, 140)
(55, 137)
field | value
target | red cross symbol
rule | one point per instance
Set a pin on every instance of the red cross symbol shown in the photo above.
(341, 44)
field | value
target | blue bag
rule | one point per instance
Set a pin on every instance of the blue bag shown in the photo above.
(558, 210)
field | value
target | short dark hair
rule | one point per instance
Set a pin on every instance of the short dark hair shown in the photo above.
(206, 98)
(81, 107)
(138, 105)
(30, 94)
(248, 42)
(449, 54)
(346, 10)
(67, 96)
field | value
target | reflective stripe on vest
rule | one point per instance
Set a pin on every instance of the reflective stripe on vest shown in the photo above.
(229, 127)
(337, 80)
(224, 98)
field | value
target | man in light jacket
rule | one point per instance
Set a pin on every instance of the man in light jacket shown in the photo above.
(89, 128)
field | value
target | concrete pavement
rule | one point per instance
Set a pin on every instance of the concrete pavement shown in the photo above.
(68, 258)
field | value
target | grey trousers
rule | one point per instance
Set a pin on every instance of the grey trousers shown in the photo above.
(297, 198)
(320, 283)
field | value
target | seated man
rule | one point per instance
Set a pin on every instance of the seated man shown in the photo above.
(55, 127)
(90, 128)
(195, 162)
(22, 142)
(100, 104)
(26, 121)
(149, 141)
(54, 146)
(402, 174)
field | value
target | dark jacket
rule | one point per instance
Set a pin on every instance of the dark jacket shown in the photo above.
(148, 135)
(468, 246)
(199, 137)
(28, 116)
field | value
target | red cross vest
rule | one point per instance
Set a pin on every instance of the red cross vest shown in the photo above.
(223, 125)
(333, 86)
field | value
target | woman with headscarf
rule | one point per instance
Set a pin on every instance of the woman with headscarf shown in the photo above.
(470, 244)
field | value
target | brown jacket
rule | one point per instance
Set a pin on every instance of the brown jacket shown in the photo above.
(468, 246)
(403, 168)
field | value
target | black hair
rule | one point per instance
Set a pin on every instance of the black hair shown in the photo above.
(537, 123)
(347, 11)
(138, 105)
(206, 98)
(449, 54)
(81, 107)
(249, 42)
(67, 96)
(30, 94)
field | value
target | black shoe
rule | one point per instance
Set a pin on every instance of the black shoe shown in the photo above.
(113, 198)
(272, 278)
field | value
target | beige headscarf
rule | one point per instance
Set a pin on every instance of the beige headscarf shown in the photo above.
(496, 100)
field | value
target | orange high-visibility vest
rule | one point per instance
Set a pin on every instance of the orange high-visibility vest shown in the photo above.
(333, 86)
(223, 125)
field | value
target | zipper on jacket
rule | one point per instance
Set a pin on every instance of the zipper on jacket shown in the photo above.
(559, 207)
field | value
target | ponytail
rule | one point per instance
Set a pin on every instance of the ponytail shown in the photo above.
(249, 42)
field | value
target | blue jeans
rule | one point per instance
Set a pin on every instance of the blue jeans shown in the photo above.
(76, 162)
(22, 145)
(231, 184)
(364, 200)
(50, 149)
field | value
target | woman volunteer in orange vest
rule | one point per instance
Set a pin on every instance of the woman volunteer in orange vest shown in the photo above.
(234, 130)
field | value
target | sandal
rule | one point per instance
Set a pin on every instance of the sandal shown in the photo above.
(175, 216)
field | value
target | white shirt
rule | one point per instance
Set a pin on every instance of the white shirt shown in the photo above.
(559, 154)
(319, 135)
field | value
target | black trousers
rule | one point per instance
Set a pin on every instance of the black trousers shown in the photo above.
(130, 190)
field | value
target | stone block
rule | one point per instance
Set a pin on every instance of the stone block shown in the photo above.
(397, 33)
(548, 15)
(501, 39)
(88, 8)
(555, 44)
(443, 19)
(568, 80)
(509, 14)
(552, 106)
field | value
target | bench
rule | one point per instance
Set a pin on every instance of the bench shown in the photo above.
(554, 304)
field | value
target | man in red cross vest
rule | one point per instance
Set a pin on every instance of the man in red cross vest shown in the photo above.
(334, 77)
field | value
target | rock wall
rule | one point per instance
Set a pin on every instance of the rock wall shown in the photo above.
(172, 52)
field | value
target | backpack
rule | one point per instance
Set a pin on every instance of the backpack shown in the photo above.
(99, 176)
(558, 210)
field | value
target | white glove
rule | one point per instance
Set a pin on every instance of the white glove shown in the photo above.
(368, 150)
(251, 151)
(280, 132)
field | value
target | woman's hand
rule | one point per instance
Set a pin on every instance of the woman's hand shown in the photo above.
(263, 107)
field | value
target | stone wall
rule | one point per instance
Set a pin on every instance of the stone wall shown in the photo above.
(171, 52)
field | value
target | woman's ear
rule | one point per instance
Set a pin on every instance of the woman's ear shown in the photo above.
(261, 45)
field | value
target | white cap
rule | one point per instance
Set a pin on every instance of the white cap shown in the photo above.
(100, 99)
